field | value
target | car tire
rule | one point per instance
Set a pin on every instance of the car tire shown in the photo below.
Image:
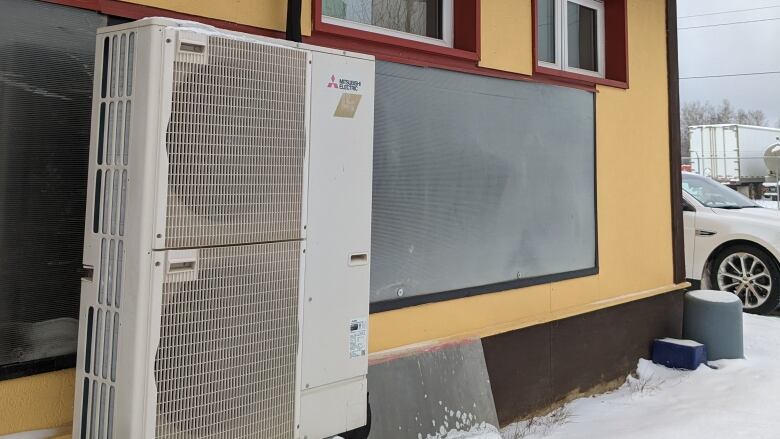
(767, 265)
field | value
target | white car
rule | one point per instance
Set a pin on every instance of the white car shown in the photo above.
(731, 243)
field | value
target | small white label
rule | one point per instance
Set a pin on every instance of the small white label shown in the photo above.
(358, 337)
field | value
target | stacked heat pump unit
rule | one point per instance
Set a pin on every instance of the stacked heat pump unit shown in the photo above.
(227, 237)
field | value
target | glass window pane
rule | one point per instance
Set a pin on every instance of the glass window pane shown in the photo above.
(452, 189)
(44, 157)
(419, 17)
(582, 37)
(545, 30)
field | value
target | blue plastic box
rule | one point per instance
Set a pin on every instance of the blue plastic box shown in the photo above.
(679, 354)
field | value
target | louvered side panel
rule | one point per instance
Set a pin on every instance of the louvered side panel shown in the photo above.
(116, 54)
(236, 143)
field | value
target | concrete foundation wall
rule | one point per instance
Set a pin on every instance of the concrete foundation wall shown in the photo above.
(430, 390)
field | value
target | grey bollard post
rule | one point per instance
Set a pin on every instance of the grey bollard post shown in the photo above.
(714, 318)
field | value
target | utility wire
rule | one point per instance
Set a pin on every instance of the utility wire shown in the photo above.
(729, 23)
(728, 12)
(731, 75)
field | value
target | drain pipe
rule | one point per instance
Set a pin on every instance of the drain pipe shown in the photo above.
(294, 20)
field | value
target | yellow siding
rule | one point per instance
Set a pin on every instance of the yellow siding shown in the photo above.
(506, 38)
(633, 169)
(266, 14)
(36, 402)
(633, 202)
(633, 205)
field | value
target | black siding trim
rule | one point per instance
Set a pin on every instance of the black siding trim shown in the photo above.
(43, 365)
(389, 305)
(695, 284)
(678, 250)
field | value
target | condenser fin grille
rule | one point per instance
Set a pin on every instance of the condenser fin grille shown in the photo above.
(236, 142)
(226, 362)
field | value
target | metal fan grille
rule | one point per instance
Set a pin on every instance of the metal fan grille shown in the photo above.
(236, 143)
(225, 367)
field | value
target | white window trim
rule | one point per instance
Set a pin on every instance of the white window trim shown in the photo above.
(557, 5)
(447, 16)
(598, 6)
(562, 41)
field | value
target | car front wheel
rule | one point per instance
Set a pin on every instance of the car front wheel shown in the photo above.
(749, 272)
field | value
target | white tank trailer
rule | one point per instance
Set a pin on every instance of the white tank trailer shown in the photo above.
(732, 154)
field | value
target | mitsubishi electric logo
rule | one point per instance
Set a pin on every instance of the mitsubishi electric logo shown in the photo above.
(343, 84)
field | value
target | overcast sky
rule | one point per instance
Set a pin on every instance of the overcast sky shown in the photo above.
(710, 47)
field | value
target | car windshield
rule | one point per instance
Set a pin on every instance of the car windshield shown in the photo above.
(713, 194)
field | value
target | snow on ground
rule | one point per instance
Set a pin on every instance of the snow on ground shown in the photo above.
(481, 431)
(734, 399)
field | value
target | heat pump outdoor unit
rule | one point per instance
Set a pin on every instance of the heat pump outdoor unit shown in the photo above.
(227, 237)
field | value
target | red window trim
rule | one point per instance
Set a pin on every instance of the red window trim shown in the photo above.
(466, 33)
(463, 58)
(135, 11)
(615, 56)
(383, 50)
(540, 71)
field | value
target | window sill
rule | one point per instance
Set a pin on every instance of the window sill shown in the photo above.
(377, 30)
(390, 305)
(577, 78)
(385, 45)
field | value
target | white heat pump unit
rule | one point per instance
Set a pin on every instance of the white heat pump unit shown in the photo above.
(227, 237)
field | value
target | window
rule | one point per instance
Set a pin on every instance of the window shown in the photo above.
(570, 35)
(429, 21)
(451, 213)
(713, 194)
(44, 153)
(687, 207)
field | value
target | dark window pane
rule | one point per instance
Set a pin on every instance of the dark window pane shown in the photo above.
(582, 25)
(46, 65)
(450, 205)
(545, 34)
(419, 17)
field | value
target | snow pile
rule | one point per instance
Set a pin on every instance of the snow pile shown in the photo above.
(481, 431)
(714, 296)
(733, 399)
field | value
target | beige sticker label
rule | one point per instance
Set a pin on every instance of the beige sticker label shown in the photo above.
(358, 337)
(348, 105)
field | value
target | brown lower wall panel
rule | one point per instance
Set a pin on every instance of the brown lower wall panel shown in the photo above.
(536, 367)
